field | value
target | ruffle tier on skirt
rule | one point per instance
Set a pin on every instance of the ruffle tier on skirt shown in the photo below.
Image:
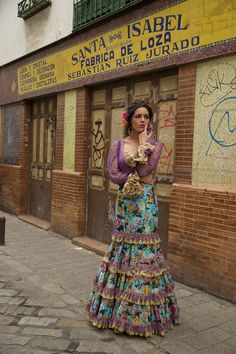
(133, 291)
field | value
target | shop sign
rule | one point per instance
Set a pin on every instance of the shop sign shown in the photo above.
(184, 27)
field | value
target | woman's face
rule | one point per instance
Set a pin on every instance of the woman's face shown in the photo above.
(140, 119)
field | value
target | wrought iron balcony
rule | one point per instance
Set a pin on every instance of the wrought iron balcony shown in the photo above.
(89, 11)
(28, 8)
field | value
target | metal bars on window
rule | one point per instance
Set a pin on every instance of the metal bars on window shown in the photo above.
(89, 11)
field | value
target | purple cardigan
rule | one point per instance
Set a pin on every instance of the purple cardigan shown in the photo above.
(118, 169)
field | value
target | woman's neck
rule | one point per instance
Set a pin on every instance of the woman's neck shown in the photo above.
(134, 136)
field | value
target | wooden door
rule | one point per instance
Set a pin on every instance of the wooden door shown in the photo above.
(43, 125)
(107, 106)
(106, 110)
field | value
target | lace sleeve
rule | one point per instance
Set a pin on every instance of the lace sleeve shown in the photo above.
(153, 157)
(116, 175)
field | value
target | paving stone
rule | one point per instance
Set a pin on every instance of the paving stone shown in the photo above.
(13, 339)
(95, 346)
(9, 329)
(69, 323)
(178, 332)
(206, 338)
(229, 326)
(11, 300)
(35, 321)
(50, 343)
(44, 302)
(21, 350)
(231, 312)
(53, 288)
(200, 297)
(224, 303)
(178, 347)
(186, 287)
(94, 333)
(56, 312)
(185, 316)
(17, 310)
(137, 344)
(181, 293)
(43, 331)
(70, 299)
(6, 319)
(231, 342)
(201, 308)
(58, 304)
(3, 309)
(8, 292)
(96, 353)
(205, 322)
(219, 348)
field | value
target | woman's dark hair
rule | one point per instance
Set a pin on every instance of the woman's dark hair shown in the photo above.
(132, 108)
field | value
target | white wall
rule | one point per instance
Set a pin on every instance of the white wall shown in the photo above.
(19, 37)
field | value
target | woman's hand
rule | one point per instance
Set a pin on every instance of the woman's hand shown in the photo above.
(144, 136)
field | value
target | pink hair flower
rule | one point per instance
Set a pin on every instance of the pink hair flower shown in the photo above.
(124, 118)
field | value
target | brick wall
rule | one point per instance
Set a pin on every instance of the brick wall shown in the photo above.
(202, 239)
(14, 179)
(202, 222)
(66, 206)
(10, 188)
(68, 211)
(185, 123)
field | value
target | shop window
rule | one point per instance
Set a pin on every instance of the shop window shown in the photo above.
(11, 136)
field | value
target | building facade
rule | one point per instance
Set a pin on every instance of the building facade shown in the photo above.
(61, 100)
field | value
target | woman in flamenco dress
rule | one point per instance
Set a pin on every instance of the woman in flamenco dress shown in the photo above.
(133, 291)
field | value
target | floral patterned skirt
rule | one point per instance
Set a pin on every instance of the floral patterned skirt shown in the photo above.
(133, 291)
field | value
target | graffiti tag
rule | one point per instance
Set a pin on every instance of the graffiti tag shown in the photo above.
(222, 124)
(218, 83)
(98, 145)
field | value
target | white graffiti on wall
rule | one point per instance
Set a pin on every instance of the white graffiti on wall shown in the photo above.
(215, 124)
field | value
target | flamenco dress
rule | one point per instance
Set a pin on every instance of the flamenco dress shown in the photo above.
(133, 291)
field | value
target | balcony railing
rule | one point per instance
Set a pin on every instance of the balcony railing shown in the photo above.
(28, 8)
(89, 11)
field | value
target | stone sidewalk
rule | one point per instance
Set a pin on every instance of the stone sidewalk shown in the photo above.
(44, 284)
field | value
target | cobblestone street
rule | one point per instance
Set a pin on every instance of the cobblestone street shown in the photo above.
(44, 284)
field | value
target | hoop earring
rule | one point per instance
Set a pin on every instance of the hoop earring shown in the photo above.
(130, 130)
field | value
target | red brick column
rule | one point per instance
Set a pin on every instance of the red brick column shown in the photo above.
(185, 123)
(68, 211)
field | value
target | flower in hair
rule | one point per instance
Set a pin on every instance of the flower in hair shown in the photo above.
(124, 118)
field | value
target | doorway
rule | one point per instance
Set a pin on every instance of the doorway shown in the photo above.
(43, 127)
(107, 104)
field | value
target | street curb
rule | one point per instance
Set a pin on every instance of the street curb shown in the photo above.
(91, 245)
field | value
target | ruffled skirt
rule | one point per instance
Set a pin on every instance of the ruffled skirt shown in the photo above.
(133, 291)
